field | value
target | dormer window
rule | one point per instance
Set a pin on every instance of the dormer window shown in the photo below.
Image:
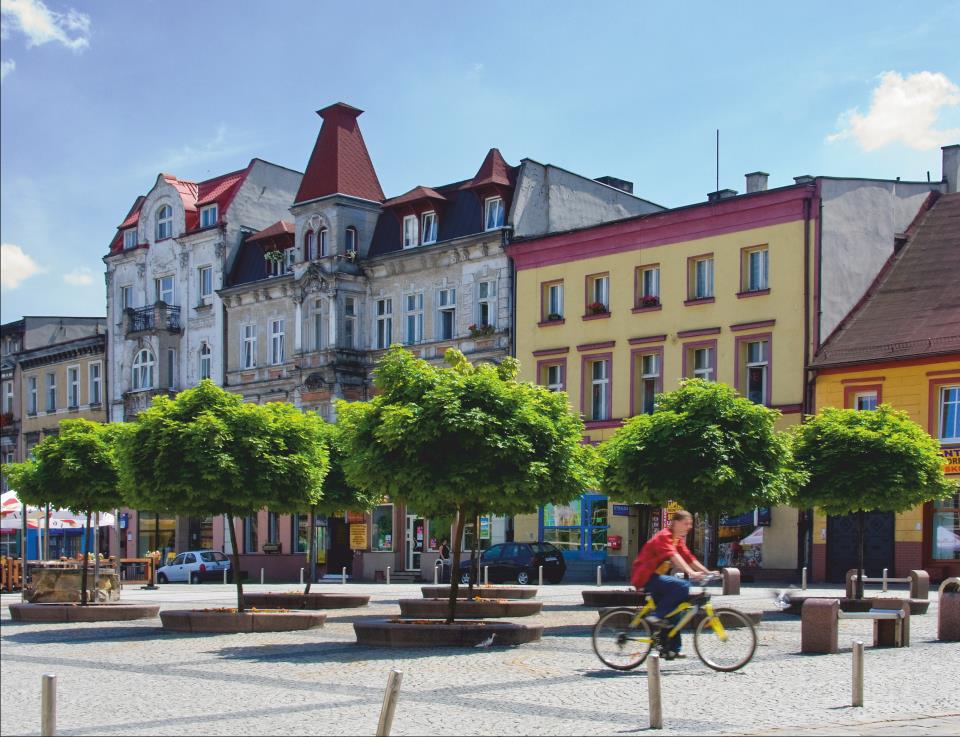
(323, 242)
(351, 239)
(309, 246)
(429, 229)
(493, 213)
(164, 222)
(410, 231)
(208, 216)
(130, 238)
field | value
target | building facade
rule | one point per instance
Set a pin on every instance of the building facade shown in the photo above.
(11, 341)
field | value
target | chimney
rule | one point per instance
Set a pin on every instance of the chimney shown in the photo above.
(756, 181)
(721, 194)
(622, 184)
(951, 166)
(804, 179)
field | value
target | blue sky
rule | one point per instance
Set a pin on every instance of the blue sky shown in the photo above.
(99, 97)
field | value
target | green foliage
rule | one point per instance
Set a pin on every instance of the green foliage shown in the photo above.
(207, 452)
(463, 437)
(337, 493)
(705, 447)
(877, 460)
(75, 469)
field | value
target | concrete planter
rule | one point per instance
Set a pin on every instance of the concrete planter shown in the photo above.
(198, 620)
(613, 597)
(484, 592)
(917, 606)
(432, 608)
(63, 613)
(398, 633)
(298, 600)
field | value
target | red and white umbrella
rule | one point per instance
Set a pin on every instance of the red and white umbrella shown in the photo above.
(9, 503)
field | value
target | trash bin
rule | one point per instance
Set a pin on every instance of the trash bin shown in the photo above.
(948, 614)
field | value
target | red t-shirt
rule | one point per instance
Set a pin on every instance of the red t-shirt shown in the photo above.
(655, 553)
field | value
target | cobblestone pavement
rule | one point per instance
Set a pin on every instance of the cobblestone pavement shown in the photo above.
(132, 678)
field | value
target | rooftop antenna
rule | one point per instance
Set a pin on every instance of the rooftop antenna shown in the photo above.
(718, 160)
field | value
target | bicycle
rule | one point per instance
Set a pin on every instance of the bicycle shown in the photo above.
(724, 639)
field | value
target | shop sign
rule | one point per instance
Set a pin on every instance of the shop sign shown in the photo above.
(484, 527)
(358, 537)
(621, 510)
(951, 459)
(355, 518)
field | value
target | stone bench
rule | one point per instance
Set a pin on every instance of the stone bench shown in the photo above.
(948, 613)
(820, 623)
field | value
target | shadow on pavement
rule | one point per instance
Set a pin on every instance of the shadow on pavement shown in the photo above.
(83, 635)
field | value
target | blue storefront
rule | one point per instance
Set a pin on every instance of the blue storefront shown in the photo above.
(579, 528)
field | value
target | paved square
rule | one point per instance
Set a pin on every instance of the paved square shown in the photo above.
(131, 678)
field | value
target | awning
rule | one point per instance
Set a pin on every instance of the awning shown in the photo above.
(754, 538)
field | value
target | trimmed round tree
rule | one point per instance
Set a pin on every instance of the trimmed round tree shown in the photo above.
(462, 439)
(705, 447)
(74, 469)
(206, 452)
(867, 460)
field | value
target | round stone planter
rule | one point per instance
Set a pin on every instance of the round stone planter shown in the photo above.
(51, 613)
(399, 633)
(613, 597)
(433, 608)
(299, 600)
(484, 592)
(198, 620)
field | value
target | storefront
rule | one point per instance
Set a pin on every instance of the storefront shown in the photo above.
(941, 523)
(579, 527)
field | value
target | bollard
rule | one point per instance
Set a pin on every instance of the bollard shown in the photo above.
(436, 571)
(857, 673)
(301, 577)
(389, 703)
(884, 589)
(540, 577)
(653, 691)
(48, 704)
(189, 577)
(388, 575)
(343, 576)
(224, 576)
(261, 575)
(599, 575)
(803, 579)
(486, 578)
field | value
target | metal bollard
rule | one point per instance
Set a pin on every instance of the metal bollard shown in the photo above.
(301, 577)
(389, 703)
(653, 691)
(189, 577)
(857, 673)
(540, 577)
(884, 580)
(343, 575)
(803, 578)
(599, 575)
(261, 575)
(48, 704)
(224, 576)
(436, 571)
(388, 575)
(486, 578)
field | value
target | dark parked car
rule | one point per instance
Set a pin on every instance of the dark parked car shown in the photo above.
(518, 562)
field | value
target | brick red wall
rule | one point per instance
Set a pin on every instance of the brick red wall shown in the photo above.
(907, 556)
(819, 556)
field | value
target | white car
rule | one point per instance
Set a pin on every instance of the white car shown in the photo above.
(197, 564)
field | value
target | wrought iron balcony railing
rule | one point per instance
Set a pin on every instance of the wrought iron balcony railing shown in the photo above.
(158, 316)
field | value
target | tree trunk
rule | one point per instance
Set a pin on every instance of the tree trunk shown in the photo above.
(860, 554)
(455, 567)
(235, 562)
(86, 559)
(311, 550)
(714, 541)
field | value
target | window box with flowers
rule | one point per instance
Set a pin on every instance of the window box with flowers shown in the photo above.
(554, 317)
(597, 308)
(480, 331)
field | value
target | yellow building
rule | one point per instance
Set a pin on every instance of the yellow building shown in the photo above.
(901, 347)
(731, 290)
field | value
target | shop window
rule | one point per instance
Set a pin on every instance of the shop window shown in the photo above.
(484, 540)
(382, 528)
(155, 532)
(648, 379)
(551, 301)
(945, 540)
(562, 525)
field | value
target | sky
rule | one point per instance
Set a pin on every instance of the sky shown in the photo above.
(98, 98)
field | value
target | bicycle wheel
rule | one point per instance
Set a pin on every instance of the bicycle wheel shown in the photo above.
(619, 645)
(730, 652)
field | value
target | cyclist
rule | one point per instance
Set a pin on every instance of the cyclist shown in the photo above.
(660, 553)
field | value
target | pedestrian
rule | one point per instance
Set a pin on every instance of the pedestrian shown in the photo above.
(444, 552)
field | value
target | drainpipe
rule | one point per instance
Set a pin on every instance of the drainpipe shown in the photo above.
(513, 298)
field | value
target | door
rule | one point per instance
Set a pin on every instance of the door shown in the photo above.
(842, 542)
(595, 526)
(414, 541)
(338, 554)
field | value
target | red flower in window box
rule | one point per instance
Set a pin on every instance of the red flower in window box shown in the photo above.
(649, 300)
(597, 308)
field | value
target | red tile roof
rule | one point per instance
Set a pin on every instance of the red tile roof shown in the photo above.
(913, 307)
(415, 195)
(493, 170)
(340, 162)
(222, 190)
(281, 227)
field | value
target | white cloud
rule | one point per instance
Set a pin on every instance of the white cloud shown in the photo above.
(41, 25)
(15, 266)
(475, 71)
(82, 277)
(904, 110)
(219, 146)
(6, 66)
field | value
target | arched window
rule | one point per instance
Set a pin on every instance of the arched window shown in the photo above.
(309, 246)
(164, 222)
(323, 242)
(143, 370)
(206, 361)
(351, 244)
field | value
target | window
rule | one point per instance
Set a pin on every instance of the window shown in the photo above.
(273, 527)
(757, 370)
(447, 314)
(493, 213)
(410, 231)
(171, 368)
(598, 372)
(310, 246)
(95, 389)
(32, 395)
(73, 387)
(317, 325)
(384, 322)
(164, 289)
(289, 259)
(949, 425)
(381, 539)
(648, 373)
(164, 222)
(414, 316)
(551, 301)
(349, 322)
(143, 370)
(206, 281)
(429, 227)
(703, 363)
(251, 542)
(351, 242)
(51, 392)
(323, 241)
(126, 297)
(486, 303)
(598, 294)
(647, 286)
(249, 347)
(701, 278)
(756, 270)
(945, 520)
(130, 238)
(8, 396)
(276, 342)
(865, 400)
(552, 376)
(206, 361)
(208, 216)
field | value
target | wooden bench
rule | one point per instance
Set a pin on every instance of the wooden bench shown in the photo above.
(820, 623)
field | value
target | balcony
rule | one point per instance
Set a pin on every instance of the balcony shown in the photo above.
(134, 402)
(152, 319)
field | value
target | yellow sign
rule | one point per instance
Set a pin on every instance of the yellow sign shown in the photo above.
(358, 537)
(951, 459)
